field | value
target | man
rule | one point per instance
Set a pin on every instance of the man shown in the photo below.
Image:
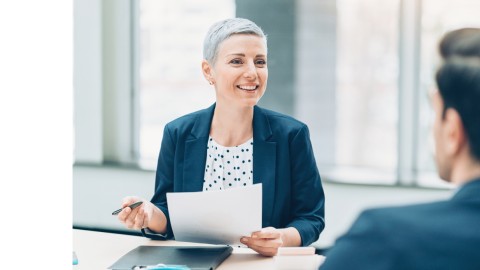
(440, 235)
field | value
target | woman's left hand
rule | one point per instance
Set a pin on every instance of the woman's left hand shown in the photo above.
(266, 241)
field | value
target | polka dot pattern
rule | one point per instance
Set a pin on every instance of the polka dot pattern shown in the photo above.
(228, 167)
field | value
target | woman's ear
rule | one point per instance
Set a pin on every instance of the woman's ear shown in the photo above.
(207, 72)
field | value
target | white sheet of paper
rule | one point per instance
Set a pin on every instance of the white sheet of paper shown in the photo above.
(216, 217)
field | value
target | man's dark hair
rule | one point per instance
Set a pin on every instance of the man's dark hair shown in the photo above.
(463, 42)
(458, 80)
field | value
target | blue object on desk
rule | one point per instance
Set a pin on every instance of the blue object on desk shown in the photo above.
(161, 267)
(75, 259)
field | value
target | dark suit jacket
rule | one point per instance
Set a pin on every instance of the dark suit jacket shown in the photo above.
(283, 162)
(440, 235)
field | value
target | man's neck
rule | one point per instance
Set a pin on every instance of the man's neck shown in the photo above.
(465, 171)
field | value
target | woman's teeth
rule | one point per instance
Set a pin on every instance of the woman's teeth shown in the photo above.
(248, 88)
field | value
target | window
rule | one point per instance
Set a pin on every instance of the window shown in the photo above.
(170, 81)
(367, 89)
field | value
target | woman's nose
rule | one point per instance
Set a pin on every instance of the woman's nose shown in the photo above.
(251, 71)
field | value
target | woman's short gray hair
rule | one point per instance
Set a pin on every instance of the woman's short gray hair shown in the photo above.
(222, 30)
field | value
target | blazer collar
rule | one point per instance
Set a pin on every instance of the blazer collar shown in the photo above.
(195, 154)
(469, 191)
(203, 122)
(261, 125)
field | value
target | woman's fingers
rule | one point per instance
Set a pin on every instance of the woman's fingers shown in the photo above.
(264, 246)
(126, 201)
(123, 215)
(132, 218)
(128, 216)
(266, 241)
(136, 218)
(139, 219)
(269, 233)
(130, 221)
(262, 242)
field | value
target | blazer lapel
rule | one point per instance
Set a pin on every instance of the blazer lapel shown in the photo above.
(264, 160)
(196, 151)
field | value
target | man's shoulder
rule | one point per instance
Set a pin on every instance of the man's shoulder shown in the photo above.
(410, 237)
(409, 213)
(418, 218)
(419, 207)
(431, 219)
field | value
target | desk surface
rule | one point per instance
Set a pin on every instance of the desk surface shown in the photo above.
(99, 250)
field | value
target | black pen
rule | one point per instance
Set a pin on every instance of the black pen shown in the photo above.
(132, 206)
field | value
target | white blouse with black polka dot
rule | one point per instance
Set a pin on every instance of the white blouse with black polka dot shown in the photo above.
(228, 167)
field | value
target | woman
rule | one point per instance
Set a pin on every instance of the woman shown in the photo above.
(236, 143)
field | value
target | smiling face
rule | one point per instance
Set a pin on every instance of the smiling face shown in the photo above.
(240, 71)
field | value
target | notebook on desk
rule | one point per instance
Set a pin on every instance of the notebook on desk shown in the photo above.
(192, 257)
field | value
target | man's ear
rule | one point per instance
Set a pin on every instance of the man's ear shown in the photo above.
(455, 131)
(207, 71)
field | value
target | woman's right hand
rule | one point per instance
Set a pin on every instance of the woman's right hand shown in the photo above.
(139, 217)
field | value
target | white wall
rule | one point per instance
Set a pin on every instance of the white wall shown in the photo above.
(88, 81)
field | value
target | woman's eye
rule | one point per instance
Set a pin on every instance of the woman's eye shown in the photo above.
(236, 62)
(261, 62)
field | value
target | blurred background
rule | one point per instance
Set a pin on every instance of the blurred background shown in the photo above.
(357, 72)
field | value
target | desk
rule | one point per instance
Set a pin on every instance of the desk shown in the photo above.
(99, 250)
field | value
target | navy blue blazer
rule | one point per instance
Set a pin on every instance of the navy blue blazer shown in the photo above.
(283, 162)
(440, 235)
